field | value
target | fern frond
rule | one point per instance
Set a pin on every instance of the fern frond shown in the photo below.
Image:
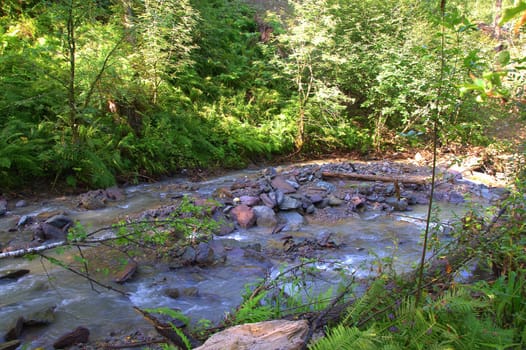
(347, 338)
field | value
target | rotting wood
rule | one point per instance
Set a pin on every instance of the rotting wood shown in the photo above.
(419, 180)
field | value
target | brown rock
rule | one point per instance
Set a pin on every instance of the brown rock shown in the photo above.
(79, 335)
(15, 330)
(277, 334)
(244, 215)
(126, 273)
(280, 183)
(13, 274)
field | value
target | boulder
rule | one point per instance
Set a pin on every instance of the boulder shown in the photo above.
(265, 216)
(244, 215)
(277, 334)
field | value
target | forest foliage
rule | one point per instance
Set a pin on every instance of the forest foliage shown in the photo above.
(98, 92)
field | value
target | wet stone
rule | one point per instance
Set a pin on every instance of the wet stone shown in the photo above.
(265, 216)
(397, 204)
(41, 317)
(293, 220)
(326, 186)
(334, 201)
(77, 336)
(456, 197)
(244, 215)
(267, 200)
(204, 254)
(21, 204)
(280, 183)
(3, 207)
(277, 197)
(290, 203)
(13, 274)
(249, 200)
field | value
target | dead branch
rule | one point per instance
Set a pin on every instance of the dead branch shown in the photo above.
(134, 345)
(31, 250)
(419, 180)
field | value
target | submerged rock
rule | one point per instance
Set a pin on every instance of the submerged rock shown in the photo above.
(13, 274)
(77, 336)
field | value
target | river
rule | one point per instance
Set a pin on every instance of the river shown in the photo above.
(363, 239)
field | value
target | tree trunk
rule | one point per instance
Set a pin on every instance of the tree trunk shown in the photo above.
(71, 83)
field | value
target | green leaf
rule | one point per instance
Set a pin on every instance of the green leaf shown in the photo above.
(512, 12)
(504, 57)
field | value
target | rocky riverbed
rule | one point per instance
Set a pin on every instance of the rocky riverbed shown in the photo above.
(267, 217)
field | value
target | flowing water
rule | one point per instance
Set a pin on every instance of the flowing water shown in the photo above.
(365, 239)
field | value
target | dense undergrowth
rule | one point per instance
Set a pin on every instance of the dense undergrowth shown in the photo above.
(98, 92)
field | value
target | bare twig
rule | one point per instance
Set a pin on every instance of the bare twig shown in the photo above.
(52, 260)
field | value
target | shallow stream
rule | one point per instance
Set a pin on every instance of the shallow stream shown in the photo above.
(365, 238)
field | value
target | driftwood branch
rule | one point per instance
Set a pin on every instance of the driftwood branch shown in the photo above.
(419, 180)
(31, 250)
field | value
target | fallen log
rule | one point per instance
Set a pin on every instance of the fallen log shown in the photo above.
(419, 180)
